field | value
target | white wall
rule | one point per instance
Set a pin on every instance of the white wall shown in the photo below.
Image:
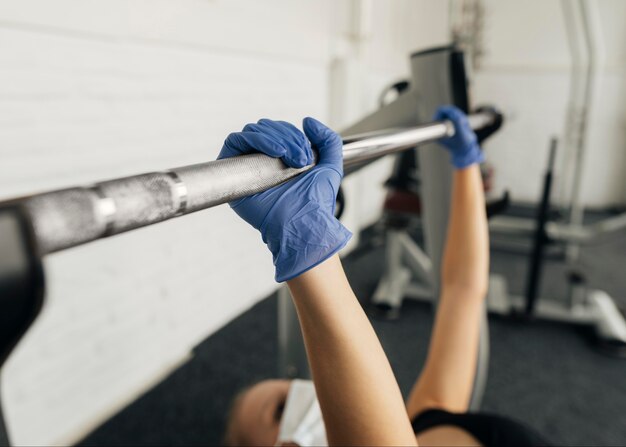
(370, 52)
(91, 90)
(526, 71)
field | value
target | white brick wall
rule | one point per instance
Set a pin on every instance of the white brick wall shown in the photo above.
(93, 90)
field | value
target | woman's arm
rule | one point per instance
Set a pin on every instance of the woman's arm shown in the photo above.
(359, 397)
(448, 375)
(358, 394)
(465, 264)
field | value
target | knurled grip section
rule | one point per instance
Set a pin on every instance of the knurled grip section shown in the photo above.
(141, 200)
(65, 218)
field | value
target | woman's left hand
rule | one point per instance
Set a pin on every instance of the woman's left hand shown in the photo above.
(296, 219)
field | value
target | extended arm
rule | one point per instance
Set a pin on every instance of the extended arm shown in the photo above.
(448, 375)
(359, 397)
(358, 394)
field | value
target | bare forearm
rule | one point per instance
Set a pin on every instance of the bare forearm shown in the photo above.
(448, 376)
(358, 394)
(466, 256)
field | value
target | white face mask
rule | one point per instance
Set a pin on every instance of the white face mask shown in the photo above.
(302, 421)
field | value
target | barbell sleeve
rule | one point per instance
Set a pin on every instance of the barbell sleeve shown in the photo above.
(74, 216)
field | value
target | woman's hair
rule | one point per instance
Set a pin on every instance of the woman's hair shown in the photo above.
(232, 434)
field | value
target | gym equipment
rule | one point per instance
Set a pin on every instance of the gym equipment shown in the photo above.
(540, 237)
(37, 225)
(21, 284)
(437, 77)
(409, 272)
(582, 305)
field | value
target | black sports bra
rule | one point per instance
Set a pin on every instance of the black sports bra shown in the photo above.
(488, 429)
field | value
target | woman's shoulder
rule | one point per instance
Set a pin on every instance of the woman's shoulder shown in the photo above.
(448, 435)
(444, 427)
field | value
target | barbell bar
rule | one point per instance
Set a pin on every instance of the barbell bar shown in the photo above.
(70, 217)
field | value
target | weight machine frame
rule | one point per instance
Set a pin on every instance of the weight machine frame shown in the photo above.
(409, 271)
(582, 305)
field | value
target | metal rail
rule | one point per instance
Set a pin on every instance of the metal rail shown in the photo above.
(70, 217)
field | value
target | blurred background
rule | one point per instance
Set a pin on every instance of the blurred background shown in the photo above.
(91, 90)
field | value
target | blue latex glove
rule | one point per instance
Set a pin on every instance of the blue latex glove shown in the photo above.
(296, 219)
(463, 146)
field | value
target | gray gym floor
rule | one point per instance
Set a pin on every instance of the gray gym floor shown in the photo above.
(548, 375)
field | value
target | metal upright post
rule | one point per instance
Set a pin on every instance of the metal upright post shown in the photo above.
(583, 38)
(4, 435)
(540, 238)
